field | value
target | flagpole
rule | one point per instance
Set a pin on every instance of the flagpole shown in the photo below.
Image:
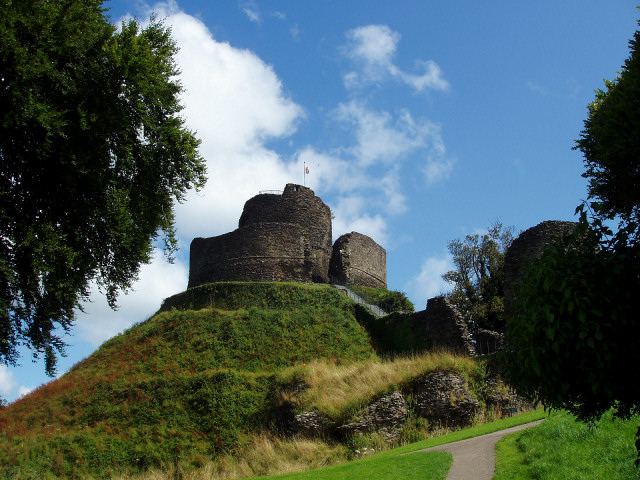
(304, 174)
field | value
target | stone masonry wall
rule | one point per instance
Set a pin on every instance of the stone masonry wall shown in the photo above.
(358, 260)
(267, 252)
(439, 327)
(524, 249)
(446, 327)
(285, 237)
(301, 206)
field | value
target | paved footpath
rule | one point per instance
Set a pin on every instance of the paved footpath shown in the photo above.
(475, 458)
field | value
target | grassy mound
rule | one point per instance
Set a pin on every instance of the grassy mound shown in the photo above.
(201, 386)
(182, 386)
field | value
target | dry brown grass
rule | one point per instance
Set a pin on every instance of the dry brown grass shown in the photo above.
(264, 455)
(332, 389)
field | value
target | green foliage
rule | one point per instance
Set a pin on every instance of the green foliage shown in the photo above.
(394, 334)
(563, 449)
(388, 300)
(93, 154)
(575, 332)
(414, 430)
(610, 142)
(478, 279)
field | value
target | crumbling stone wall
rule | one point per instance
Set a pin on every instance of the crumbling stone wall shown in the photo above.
(440, 326)
(443, 397)
(446, 327)
(358, 260)
(524, 249)
(488, 341)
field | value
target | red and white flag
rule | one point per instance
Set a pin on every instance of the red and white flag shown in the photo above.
(306, 169)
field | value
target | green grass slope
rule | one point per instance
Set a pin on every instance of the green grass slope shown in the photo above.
(181, 387)
(565, 449)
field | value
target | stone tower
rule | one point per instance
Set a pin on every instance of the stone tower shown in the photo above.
(280, 237)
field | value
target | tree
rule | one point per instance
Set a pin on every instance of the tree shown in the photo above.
(574, 340)
(478, 280)
(610, 143)
(93, 154)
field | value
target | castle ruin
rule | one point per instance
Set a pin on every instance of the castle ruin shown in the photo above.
(358, 260)
(527, 247)
(287, 237)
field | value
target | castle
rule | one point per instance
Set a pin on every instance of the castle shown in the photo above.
(287, 237)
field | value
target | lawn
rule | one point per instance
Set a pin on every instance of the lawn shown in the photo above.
(563, 449)
(558, 449)
(423, 465)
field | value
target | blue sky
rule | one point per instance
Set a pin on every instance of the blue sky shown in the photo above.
(421, 122)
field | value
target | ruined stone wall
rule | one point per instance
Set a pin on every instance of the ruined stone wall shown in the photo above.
(446, 327)
(524, 249)
(439, 327)
(269, 252)
(358, 260)
(298, 205)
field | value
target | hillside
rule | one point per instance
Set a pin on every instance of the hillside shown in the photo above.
(193, 381)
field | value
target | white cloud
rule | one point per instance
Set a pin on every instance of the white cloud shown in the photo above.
(536, 87)
(384, 139)
(373, 48)
(8, 383)
(22, 391)
(295, 32)
(374, 44)
(377, 139)
(428, 282)
(395, 200)
(367, 175)
(235, 102)
(438, 168)
(10, 388)
(349, 216)
(329, 171)
(157, 281)
(432, 78)
(250, 9)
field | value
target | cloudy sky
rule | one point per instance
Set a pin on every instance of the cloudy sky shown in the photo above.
(420, 121)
